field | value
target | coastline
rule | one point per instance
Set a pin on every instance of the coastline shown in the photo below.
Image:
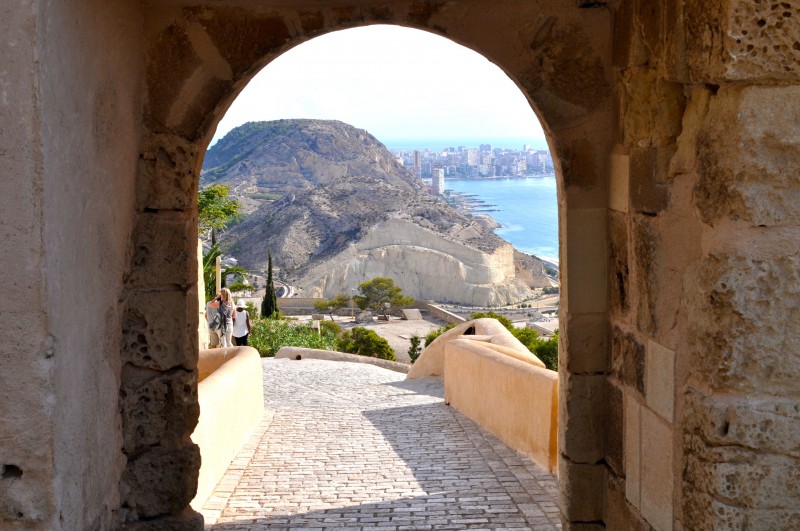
(520, 221)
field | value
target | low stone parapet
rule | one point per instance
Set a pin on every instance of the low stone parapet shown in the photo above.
(231, 396)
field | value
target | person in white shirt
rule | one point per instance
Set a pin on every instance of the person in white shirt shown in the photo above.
(241, 324)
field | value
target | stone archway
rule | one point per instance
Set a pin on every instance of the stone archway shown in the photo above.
(670, 126)
(200, 58)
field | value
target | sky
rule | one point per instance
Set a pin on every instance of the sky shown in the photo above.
(404, 86)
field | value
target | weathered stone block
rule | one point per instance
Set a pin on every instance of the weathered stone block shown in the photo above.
(627, 359)
(164, 251)
(581, 491)
(660, 380)
(188, 520)
(764, 423)
(652, 110)
(646, 194)
(648, 262)
(737, 40)
(160, 482)
(620, 178)
(619, 282)
(157, 408)
(586, 260)
(657, 471)
(618, 512)
(615, 429)
(747, 156)
(582, 408)
(167, 178)
(152, 340)
(744, 322)
(633, 451)
(587, 343)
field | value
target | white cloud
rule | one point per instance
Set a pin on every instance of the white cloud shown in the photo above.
(397, 83)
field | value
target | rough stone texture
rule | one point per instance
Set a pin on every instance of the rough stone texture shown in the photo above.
(187, 520)
(152, 341)
(618, 513)
(618, 258)
(747, 156)
(744, 327)
(167, 174)
(586, 338)
(164, 251)
(653, 109)
(614, 429)
(735, 40)
(760, 423)
(627, 359)
(159, 482)
(579, 498)
(743, 461)
(158, 408)
(648, 263)
(582, 439)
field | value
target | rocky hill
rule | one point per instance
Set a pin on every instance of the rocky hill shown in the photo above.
(335, 208)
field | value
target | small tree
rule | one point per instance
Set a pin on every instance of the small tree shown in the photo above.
(379, 291)
(269, 306)
(414, 350)
(330, 306)
(214, 210)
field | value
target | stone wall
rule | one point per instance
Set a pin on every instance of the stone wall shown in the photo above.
(70, 126)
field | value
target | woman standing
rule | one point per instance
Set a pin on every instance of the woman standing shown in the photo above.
(241, 324)
(227, 313)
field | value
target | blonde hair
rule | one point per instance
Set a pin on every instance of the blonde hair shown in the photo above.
(225, 295)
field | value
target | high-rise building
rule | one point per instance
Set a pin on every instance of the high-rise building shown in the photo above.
(417, 165)
(437, 178)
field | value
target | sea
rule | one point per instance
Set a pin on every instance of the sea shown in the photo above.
(525, 207)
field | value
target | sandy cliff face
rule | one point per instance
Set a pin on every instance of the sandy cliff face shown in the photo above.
(424, 264)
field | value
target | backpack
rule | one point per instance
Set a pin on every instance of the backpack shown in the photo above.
(216, 322)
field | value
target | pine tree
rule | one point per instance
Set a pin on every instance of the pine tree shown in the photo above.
(269, 306)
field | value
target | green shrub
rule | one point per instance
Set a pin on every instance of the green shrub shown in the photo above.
(547, 351)
(364, 342)
(505, 321)
(269, 335)
(414, 350)
(433, 334)
(550, 290)
(330, 327)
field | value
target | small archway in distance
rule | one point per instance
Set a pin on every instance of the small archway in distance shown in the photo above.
(414, 90)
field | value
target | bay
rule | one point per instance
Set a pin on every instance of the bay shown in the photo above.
(525, 207)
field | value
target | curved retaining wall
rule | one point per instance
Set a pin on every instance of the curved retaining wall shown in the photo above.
(231, 395)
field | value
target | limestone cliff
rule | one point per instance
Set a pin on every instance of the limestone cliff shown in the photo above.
(335, 209)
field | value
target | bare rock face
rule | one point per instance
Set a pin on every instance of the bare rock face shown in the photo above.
(424, 264)
(334, 208)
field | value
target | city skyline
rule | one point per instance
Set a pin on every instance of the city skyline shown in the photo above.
(404, 86)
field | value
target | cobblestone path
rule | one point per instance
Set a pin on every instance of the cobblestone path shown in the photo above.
(353, 446)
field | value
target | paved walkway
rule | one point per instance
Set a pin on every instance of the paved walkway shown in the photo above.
(353, 446)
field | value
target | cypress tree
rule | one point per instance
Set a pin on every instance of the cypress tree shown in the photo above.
(269, 306)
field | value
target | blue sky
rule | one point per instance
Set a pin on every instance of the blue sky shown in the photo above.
(399, 84)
